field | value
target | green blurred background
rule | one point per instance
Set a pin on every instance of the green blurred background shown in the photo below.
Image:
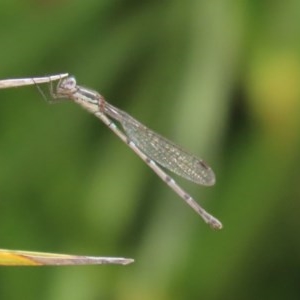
(220, 78)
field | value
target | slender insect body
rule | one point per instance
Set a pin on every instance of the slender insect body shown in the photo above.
(87, 105)
(147, 144)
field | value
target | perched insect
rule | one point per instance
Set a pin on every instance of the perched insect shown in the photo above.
(148, 145)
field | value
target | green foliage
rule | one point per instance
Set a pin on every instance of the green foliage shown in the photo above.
(220, 79)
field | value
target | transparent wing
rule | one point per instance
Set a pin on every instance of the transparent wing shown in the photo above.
(163, 151)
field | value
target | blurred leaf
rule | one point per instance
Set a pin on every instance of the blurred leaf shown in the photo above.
(28, 258)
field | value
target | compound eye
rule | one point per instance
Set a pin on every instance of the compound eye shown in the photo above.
(69, 83)
(66, 86)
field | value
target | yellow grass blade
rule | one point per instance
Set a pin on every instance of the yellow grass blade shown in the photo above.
(28, 258)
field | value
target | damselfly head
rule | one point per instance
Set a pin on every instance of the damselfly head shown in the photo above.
(66, 86)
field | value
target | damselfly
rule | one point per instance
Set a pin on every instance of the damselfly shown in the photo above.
(151, 147)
